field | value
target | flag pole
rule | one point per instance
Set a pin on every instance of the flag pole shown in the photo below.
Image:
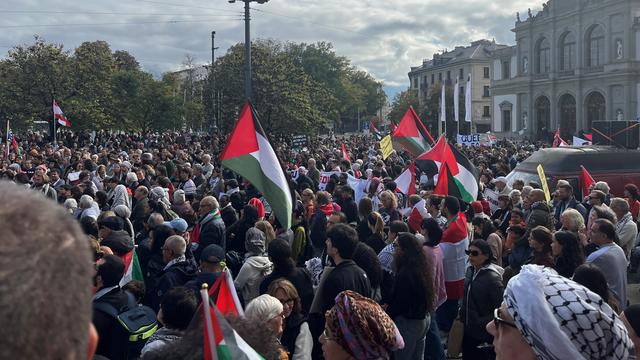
(55, 143)
(7, 144)
(206, 307)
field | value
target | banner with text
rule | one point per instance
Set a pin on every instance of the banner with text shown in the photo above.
(476, 140)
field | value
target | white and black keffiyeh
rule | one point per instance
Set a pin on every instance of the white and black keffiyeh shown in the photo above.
(562, 319)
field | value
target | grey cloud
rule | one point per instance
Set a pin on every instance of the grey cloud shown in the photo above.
(384, 37)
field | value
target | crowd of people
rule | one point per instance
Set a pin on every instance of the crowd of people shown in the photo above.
(152, 217)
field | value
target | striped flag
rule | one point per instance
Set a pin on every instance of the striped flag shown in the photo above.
(221, 341)
(249, 153)
(412, 135)
(132, 268)
(406, 182)
(59, 116)
(225, 295)
(454, 242)
(458, 178)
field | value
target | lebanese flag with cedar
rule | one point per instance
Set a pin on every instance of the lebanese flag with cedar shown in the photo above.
(59, 116)
(249, 153)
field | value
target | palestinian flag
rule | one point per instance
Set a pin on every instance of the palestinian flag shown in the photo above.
(221, 341)
(586, 180)
(372, 129)
(412, 135)
(456, 174)
(345, 155)
(249, 154)
(225, 297)
(132, 268)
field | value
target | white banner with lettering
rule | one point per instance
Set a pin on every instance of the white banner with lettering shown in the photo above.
(492, 197)
(476, 139)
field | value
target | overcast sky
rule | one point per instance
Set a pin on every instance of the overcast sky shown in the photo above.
(383, 37)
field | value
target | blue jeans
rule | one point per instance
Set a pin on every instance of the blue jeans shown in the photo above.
(446, 313)
(433, 349)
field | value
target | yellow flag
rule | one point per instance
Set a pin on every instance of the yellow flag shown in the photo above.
(543, 181)
(386, 146)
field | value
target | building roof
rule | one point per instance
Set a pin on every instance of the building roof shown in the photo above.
(478, 50)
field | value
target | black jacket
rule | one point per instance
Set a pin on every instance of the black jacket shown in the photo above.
(212, 231)
(540, 216)
(202, 278)
(376, 242)
(350, 209)
(177, 274)
(482, 294)
(571, 204)
(119, 242)
(345, 276)
(111, 336)
(318, 229)
(236, 235)
(229, 215)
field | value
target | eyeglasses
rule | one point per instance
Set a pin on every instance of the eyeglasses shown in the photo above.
(497, 320)
(472, 252)
(288, 302)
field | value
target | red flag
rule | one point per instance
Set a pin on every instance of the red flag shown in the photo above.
(406, 182)
(345, 156)
(588, 136)
(372, 126)
(556, 138)
(227, 300)
(587, 180)
(442, 187)
(393, 127)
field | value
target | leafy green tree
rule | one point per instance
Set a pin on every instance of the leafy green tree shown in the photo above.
(401, 103)
(125, 61)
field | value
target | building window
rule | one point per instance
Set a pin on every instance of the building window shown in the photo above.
(543, 51)
(506, 70)
(440, 77)
(448, 75)
(485, 92)
(595, 46)
(415, 83)
(486, 112)
(486, 73)
(506, 120)
(461, 74)
(596, 108)
(433, 79)
(567, 52)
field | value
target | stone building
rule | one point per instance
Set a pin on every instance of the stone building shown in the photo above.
(474, 60)
(574, 62)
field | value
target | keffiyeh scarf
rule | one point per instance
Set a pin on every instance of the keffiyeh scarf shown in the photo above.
(561, 319)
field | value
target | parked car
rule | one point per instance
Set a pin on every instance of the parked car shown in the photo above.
(615, 166)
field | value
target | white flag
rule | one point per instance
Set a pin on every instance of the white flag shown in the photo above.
(580, 142)
(443, 106)
(468, 112)
(456, 101)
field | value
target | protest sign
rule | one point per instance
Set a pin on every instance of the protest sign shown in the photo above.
(324, 179)
(492, 197)
(386, 146)
(476, 139)
(543, 181)
(299, 141)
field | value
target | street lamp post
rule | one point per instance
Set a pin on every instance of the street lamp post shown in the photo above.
(248, 91)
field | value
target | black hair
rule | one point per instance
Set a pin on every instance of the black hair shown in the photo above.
(484, 248)
(593, 279)
(413, 265)
(367, 259)
(160, 235)
(89, 225)
(452, 204)
(433, 231)
(572, 254)
(111, 270)
(344, 238)
(486, 225)
(178, 306)
(398, 226)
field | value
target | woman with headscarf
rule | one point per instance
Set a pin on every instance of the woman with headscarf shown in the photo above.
(357, 327)
(124, 213)
(545, 316)
(256, 265)
(296, 336)
(159, 202)
(413, 296)
(482, 293)
(120, 197)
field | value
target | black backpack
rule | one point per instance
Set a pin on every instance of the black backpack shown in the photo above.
(137, 322)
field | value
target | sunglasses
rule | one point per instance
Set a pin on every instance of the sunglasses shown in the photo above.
(497, 320)
(472, 252)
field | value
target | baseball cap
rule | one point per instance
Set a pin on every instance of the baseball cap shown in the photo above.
(212, 254)
(179, 225)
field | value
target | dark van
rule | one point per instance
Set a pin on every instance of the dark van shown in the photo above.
(617, 167)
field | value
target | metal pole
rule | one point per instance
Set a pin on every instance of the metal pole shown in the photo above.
(248, 93)
(214, 118)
